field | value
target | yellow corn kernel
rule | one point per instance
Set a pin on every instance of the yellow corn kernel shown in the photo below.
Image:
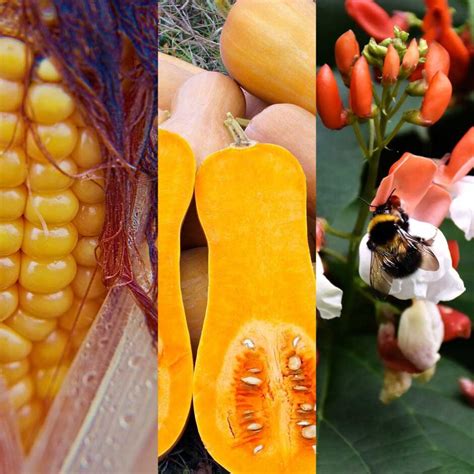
(78, 118)
(45, 177)
(48, 305)
(28, 416)
(32, 328)
(48, 381)
(54, 208)
(13, 347)
(8, 302)
(13, 169)
(12, 202)
(49, 352)
(88, 282)
(47, 275)
(85, 251)
(81, 314)
(14, 371)
(48, 103)
(11, 236)
(90, 219)
(15, 59)
(47, 71)
(12, 130)
(90, 189)
(53, 242)
(11, 95)
(22, 392)
(9, 270)
(58, 140)
(87, 152)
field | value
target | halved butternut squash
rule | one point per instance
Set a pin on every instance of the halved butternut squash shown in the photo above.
(254, 381)
(176, 171)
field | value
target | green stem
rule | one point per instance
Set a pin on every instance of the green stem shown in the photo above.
(360, 138)
(376, 96)
(371, 136)
(394, 132)
(402, 100)
(471, 16)
(336, 232)
(334, 253)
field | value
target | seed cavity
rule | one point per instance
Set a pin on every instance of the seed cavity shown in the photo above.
(309, 432)
(300, 388)
(257, 449)
(254, 381)
(254, 427)
(306, 407)
(294, 362)
(248, 343)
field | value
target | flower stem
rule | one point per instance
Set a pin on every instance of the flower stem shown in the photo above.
(403, 98)
(336, 232)
(335, 254)
(360, 138)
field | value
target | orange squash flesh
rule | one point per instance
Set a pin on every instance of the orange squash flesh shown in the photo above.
(176, 171)
(269, 48)
(254, 377)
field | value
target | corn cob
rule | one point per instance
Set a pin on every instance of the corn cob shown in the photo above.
(50, 284)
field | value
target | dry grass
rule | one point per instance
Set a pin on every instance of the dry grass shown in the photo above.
(190, 30)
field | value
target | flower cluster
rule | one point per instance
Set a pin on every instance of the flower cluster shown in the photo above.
(436, 25)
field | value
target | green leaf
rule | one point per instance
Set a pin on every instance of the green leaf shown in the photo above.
(429, 430)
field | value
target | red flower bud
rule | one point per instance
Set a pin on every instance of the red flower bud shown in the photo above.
(437, 59)
(328, 100)
(371, 17)
(347, 51)
(436, 99)
(411, 58)
(456, 324)
(458, 53)
(454, 251)
(361, 89)
(391, 355)
(467, 389)
(391, 66)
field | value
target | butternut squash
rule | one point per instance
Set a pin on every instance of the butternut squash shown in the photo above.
(194, 289)
(176, 171)
(174, 72)
(254, 381)
(269, 48)
(293, 128)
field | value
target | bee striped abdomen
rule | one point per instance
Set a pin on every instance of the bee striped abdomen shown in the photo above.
(382, 230)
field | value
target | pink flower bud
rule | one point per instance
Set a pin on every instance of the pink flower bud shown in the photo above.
(346, 51)
(436, 99)
(456, 324)
(361, 89)
(454, 251)
(411, 58)
(391, 66)
(466, 387)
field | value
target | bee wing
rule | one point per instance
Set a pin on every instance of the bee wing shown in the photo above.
(429, 261)
(379, 278)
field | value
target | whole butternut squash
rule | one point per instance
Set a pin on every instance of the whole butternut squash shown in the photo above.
(254, 381)
(293, 128)
(174, 72)
(176, 171)
(269, 48)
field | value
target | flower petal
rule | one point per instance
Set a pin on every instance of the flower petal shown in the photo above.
(434, 206)
(461, 210)
(410, 176)
(420, 334)
(328, 296)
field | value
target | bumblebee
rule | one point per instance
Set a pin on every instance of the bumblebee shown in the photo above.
(395, 252)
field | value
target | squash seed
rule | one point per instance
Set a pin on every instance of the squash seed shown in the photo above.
(303, 423)
(257, 449)
(254, 370)
(309, 432)
(254, 427)
(295, 341)
(294, 362)
(248, 343)
(254, 381)
(314, 448)
(300, 388)
(306, 407)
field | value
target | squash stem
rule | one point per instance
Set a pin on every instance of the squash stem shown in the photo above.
(240, 138)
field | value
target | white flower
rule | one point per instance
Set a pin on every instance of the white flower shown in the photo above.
(443, 284)
(328, 296)
(461, 210)
(420, 334)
